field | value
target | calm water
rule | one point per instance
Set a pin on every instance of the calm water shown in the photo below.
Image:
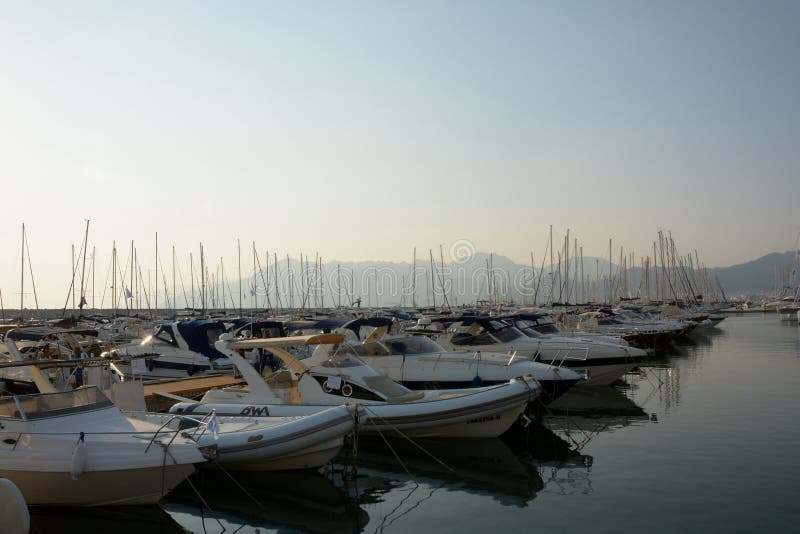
(705, 438)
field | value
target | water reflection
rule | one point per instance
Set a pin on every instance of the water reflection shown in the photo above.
(298, 500)
(117, 519)
(386, 484)
(483, 466)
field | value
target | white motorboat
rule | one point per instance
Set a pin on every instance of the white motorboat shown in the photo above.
(76, 448)
(330, 378)
(542, 325)
(636, 331)
(420, 363)
(175, 350)
(604, 363)
(240, 443)
(265, 443)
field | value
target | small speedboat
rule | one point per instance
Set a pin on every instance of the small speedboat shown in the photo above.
(174, 350)
(75, 448)
(264, 443)
(604, 363)
(420, 363)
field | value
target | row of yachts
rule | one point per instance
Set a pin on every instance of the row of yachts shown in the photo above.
(75, 428)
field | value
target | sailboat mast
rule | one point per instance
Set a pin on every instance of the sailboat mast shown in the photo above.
(414, 280)
(174, 296)
(239, 251)
(155, 306)
(94, 263)
(22, 273)
(202, 280)
(255, 279)
(191, 275)
(552, 274)
(433, 280)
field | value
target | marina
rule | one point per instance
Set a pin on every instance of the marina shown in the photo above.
(628, 454)
(419, 266)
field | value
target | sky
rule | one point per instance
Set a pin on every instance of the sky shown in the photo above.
(359, 130)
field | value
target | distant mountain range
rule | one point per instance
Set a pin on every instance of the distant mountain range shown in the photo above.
(467, 280)
(757, 275)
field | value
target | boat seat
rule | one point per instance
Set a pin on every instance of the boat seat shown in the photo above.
(411, 396)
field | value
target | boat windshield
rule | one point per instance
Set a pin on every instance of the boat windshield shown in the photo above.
(42, 405)
(505, 333)
(346, 355)
(547, 328)
(527, 328)
(413, 345)
(165, 335)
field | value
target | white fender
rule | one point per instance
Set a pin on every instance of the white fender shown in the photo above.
(78, 464)
(14, 515)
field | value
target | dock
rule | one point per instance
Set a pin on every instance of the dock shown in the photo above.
(185, 387)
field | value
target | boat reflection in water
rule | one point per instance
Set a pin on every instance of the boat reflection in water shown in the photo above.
(117, 519)
(580, 415)
(294, 500)
(482, 466)
(387, 481)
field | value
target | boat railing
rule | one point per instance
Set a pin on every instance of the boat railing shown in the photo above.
(568, 356)
(201, 423)
(135, 433)
(513, 355)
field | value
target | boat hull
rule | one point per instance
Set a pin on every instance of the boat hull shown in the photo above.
(458, 413)
(269, 444)
(605, 375)
(98, 488)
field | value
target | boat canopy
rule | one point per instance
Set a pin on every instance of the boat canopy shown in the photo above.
(332, 323)
(201, 334)
(254, 327)
(39, 333)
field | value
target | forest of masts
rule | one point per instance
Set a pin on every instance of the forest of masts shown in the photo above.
(263, 281)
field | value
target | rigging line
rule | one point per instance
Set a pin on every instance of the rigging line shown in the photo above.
(233, 303)
(83, 268)
(417, 445)
(164, 278)
(383, 524)
(249, 495)
(122, 281)
(263, 281)
(400, 461)
(205, 504)
(30, 268)
(183, 286)
(105, 285)
(146, 296)
(72, 284)
(415, 505)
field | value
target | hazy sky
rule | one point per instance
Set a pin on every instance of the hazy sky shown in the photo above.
(361, 129)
